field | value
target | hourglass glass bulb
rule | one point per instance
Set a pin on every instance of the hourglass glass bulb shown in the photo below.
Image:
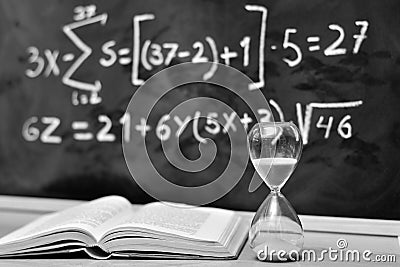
(275, 149)
(274, 171)
(276, 226)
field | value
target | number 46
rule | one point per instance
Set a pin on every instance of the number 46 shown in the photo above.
(344, 128)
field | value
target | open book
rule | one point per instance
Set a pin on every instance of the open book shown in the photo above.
(111, 226)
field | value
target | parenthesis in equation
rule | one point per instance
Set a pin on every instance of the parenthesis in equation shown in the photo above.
(210, 73)
(143, 56)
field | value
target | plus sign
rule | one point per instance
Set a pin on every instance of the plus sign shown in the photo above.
(143, 128)
(246, 120)
(227, 55)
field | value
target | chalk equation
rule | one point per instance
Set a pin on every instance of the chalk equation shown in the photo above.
(44, 129)
(145, 54)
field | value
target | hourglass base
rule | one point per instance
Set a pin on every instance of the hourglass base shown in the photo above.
(276, 229)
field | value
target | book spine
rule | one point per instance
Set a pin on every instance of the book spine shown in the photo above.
(97, 252)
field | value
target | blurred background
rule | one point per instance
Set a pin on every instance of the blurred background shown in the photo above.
(69, 69)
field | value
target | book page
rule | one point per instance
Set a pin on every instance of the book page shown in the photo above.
(183, 220)
(87, 217)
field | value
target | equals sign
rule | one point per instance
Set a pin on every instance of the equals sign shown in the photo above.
(81, 125)
(313, 39)
(124, 60)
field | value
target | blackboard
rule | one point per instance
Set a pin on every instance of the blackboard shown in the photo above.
(331, 67)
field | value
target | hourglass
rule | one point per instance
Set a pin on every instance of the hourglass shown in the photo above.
(275, 149)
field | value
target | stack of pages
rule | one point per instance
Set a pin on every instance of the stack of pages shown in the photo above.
(111, 226)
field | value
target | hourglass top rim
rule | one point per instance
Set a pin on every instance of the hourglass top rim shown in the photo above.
(271, 123)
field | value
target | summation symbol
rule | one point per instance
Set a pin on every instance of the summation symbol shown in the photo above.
(67, 79)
